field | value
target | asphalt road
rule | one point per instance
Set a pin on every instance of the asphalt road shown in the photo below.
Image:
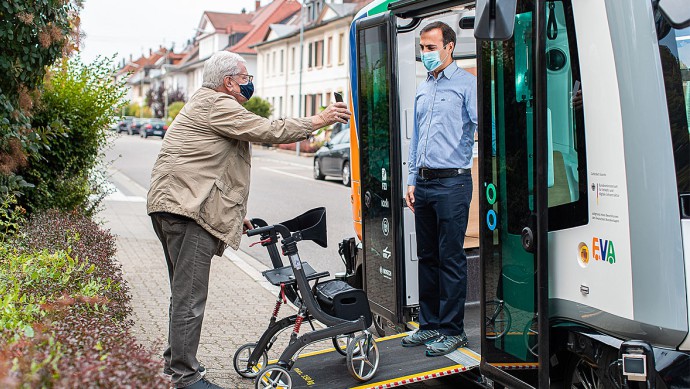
(282, 187)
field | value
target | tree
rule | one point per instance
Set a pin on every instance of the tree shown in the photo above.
(155, 98)
(259, 106)
(33, 35)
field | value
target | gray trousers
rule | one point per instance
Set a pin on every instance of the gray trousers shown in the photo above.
(188, 250)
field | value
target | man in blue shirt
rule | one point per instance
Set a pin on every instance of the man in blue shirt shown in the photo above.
(439, 190)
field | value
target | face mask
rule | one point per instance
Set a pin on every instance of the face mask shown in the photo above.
(432, 60)
(247, 90)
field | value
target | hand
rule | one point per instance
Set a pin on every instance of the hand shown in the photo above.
(409, 197)
(246, 225)
(577, 100)
(334, 113)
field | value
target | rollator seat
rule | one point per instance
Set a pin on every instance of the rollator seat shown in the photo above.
(337, 298)
(284, 275)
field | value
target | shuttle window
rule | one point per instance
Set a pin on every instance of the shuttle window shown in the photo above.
(512, 86)
(567, 178)
(674, 50)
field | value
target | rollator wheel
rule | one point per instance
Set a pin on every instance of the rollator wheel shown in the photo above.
(273, 377)
(498, 319)
(341, 342)
(363, 357)
(241, 361)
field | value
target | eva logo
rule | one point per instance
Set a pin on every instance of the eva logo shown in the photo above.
(603, 250)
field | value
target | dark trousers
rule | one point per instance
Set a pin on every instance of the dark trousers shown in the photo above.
(188, 251)
(441, 210)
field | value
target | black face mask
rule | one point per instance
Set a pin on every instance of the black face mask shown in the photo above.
(247, 90)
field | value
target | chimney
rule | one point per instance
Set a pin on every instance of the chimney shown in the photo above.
(150, 52)
(258, 5)
(130, 58)
(244, 11)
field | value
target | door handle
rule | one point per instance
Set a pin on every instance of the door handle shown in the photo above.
(528, 240)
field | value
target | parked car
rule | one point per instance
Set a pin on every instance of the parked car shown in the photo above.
(135, 125)
(157, 127)
(123, 124)
(333, 159)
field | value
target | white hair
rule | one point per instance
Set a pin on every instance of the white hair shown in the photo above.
(221, 64)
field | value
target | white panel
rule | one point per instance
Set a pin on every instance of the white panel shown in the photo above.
(610, 284)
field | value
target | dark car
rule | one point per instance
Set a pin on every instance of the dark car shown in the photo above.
(135, 125)
(333, 159)
(123, 124)
(156, 127)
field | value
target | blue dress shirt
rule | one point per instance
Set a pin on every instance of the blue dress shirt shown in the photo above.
(445, 112)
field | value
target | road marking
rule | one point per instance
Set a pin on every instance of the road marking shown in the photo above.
(128, 184)
(288, 174)
(306, 167)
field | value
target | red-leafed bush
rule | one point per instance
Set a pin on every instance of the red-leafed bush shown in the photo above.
(64, 313)
(84, 240)
(305, 146)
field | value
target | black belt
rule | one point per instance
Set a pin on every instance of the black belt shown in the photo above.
(430, 174)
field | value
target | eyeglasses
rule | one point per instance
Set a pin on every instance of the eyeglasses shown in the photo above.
(247, 77)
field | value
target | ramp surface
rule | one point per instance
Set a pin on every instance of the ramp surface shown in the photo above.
(397, 366)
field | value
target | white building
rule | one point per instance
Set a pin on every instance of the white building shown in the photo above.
(325, 56)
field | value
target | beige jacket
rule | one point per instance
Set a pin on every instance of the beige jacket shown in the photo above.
(202, 170)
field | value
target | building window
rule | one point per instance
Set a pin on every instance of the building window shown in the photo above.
(280, 107)
(318, 54)
(282, 54)
(273, 63)
(267, 58)
(311, 50)
(292, 105)
(341, 48)
(329, 51)
(292, 66)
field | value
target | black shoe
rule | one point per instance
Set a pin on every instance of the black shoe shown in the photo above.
(168, 371)
(203, 384)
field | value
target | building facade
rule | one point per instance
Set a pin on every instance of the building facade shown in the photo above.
(299, 79)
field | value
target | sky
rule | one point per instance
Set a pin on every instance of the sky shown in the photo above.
(134, 26)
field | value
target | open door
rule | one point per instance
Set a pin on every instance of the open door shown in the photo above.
(513, 179)
(379, 157)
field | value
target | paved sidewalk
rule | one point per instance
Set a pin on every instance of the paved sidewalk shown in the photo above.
(239, 302)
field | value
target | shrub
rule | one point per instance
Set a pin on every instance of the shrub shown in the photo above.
(83, 100)
(134, 109)
(305, 146)
(84, 240)
(259, 106)
(64, 309)
(174, 109)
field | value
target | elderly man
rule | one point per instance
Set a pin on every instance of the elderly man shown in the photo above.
(198, 196)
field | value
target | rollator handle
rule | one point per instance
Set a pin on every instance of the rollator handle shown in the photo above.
(260, 230)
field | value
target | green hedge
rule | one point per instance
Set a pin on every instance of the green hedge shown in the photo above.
(79, 102)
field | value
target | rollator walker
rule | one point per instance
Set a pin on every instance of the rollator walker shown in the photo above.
(342, 309)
